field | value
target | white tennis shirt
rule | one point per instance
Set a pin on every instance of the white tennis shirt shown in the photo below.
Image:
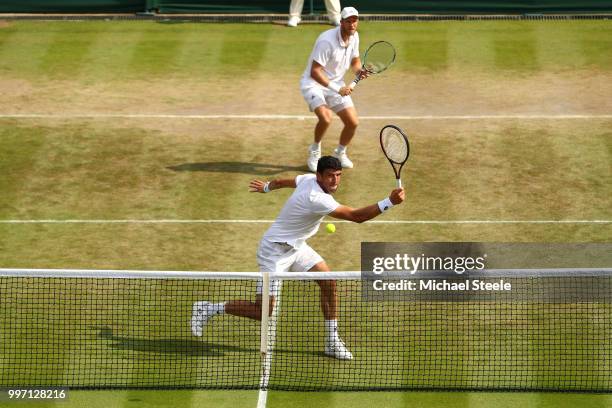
(302, 213)
(334, 55)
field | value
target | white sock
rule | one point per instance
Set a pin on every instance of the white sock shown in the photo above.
(216, 308)
(331, 329)
(315, 147)
(341, 149)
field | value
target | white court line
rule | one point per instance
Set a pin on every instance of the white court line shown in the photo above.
(221, 221)
(294, 117)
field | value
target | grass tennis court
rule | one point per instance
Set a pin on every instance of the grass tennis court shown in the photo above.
(509, 121)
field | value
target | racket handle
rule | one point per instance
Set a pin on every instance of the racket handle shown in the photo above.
(399, 183)
(354, 83)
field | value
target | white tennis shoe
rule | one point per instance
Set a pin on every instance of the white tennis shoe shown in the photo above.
(313, 159)
(199, 317)
(344, 160)
(335, 348)
(293, 21)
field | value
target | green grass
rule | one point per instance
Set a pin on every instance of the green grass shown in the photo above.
(146, 398)
(132, 50)
(424, 345)
(93, 170)
(248, 399)
(133, 333)
(89, 336)
(106, 169)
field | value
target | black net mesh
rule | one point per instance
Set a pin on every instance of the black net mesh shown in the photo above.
(134, 333)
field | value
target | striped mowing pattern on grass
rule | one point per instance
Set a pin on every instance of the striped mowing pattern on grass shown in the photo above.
(131, 329)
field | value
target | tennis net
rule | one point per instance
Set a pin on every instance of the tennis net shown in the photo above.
(131, 329)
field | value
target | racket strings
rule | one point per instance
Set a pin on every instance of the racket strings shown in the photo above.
(394, 146)
(379, 57)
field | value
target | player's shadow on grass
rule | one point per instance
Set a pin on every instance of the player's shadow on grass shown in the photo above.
(169, 346)
(238, 167)
(289, 352)
(182, 346)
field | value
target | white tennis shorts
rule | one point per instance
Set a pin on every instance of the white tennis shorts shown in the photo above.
(317, 96)
(282, 257)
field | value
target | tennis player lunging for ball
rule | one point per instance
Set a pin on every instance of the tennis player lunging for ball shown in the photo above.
(283, 247)
(323, 87)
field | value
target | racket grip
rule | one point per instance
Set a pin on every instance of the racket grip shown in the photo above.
(398, 183)
(354, 83)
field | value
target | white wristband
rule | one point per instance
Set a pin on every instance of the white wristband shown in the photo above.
(333, 87)
(266, 188)
(384, 205)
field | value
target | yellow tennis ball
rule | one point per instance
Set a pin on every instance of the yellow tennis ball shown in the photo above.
(331, 228)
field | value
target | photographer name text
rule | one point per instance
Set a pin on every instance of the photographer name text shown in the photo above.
(441, 285)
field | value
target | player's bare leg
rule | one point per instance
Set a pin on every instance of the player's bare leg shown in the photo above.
(334, 346)
(324, 116)
(244, 308)
(203, 311)
(329, 296)
(351, 121)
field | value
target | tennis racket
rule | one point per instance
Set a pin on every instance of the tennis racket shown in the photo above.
(377, 58)
(395, 146)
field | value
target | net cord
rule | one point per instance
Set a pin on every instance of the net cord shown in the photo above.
(338, 275)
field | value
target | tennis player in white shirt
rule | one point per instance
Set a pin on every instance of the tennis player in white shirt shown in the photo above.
(284, 248)
(323, 88)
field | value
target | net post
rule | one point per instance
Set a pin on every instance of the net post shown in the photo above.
(265, 312)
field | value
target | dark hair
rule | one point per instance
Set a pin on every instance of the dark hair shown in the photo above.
(328, 162)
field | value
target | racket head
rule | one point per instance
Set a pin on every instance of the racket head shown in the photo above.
(394, 144)
(378, 57)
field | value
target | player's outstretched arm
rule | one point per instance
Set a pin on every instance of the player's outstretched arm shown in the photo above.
(363, 214)
(258, 186)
